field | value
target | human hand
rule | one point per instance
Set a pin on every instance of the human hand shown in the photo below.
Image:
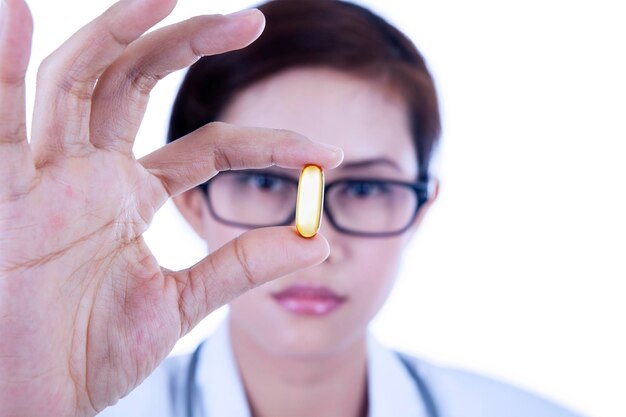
(86, 312)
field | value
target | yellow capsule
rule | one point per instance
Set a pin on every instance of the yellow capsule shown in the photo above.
(310, 203)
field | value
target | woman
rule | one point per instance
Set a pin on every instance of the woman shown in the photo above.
(299, 346)
(294, 347)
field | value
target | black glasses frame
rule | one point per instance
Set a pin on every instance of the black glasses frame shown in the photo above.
(420, 188)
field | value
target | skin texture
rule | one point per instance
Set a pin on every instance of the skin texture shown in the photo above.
(86, 312)
(307, 365)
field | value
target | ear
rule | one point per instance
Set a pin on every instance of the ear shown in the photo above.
(434, 194)
(192, 204)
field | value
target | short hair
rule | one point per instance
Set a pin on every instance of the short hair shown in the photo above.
(315, 33)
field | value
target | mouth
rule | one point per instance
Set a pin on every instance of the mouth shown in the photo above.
(309, 300)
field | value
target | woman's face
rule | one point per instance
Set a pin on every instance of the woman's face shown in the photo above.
(326, 307)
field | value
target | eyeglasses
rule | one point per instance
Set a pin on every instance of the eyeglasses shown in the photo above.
(369, 207)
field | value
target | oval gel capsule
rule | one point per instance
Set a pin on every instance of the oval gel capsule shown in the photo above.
(310, 202)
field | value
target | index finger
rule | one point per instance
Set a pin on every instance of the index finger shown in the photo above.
(197, 157)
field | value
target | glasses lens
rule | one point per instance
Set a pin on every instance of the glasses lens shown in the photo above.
(252, 198)
(375, 207)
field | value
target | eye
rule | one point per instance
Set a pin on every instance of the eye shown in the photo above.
(263, 182)
(364, 189)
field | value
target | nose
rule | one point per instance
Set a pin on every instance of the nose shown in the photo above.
(337, 241)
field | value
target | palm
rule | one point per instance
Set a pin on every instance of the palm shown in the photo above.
(115, 314)
(86, 312)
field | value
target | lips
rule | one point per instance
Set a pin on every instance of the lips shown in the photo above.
(309, 300)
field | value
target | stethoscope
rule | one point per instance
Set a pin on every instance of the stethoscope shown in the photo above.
(191, 389)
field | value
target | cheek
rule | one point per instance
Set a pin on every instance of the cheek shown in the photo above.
(217, 234)
(374, 268)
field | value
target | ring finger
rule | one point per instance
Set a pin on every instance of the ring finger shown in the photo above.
(66, 78)
(122, 93)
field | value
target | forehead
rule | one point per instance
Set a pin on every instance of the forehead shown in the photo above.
(365, 118)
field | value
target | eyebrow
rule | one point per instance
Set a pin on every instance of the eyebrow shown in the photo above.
(370, 162)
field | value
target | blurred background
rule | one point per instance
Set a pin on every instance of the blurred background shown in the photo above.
(519, 270)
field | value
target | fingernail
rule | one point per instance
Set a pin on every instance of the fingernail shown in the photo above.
(332, 148)
(244, 13)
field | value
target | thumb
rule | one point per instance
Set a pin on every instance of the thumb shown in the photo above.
(251, 259)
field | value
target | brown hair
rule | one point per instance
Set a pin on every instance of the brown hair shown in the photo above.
(328, 33)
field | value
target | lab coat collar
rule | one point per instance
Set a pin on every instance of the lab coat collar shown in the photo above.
(391, 389)
(218, 377)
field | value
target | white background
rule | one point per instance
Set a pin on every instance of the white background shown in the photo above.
(518, 272)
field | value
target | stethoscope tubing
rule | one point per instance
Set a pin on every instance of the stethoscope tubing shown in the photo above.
(423, 390)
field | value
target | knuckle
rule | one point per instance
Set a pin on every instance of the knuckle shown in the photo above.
(13, 79)
(244, 262)
(221, 159)
(116, 38)
(289, 135)
(13, 131)
(67, 81)
(141, 80)
(45, 69)
(186, 300)
(215, 128)
(73, 87)
(217, 131)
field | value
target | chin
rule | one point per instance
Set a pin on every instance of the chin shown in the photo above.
(284, 333)
(303, 338)
(304, 341)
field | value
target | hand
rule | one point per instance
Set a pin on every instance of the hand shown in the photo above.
(86, 312)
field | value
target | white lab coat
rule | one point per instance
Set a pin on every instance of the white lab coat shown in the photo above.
(393, 390)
